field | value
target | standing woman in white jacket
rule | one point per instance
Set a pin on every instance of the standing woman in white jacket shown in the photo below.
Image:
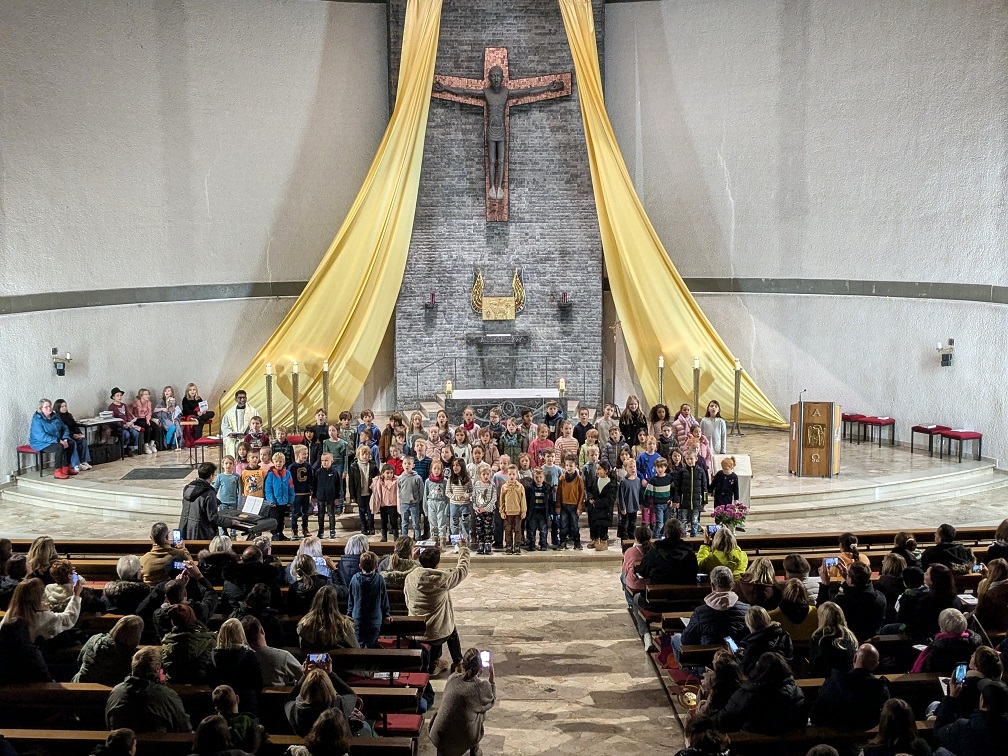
(713, 426)
(29, 604)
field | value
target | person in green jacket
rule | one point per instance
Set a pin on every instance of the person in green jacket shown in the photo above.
(721, 549)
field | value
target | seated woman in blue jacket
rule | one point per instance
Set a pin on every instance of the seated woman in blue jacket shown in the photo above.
(49, 434)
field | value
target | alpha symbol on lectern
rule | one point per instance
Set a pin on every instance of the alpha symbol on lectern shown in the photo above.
(816, 412)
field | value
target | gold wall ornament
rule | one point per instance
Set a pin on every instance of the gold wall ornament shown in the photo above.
(498, 308)
(518, 285)
(476, 293)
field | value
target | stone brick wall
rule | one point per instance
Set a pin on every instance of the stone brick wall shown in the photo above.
(552, 234)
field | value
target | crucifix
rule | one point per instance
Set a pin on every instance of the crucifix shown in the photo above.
(496, 92)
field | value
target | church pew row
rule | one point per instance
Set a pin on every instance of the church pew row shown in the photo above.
(798, 742)
(871, 540)
(74, 548)
(83, 704)
(46, 742)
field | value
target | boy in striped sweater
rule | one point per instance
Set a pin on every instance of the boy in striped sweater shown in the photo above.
(658, 495)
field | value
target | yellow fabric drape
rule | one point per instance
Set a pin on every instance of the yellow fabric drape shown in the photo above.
(345, 309)
(658, 314)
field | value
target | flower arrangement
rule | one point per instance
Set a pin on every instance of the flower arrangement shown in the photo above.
(732, 515)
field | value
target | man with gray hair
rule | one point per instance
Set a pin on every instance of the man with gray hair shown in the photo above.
(161, 554)
(143, 702)
(124, 595)
(721, 615)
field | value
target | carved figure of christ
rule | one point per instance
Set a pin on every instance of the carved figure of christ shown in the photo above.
(496, 93)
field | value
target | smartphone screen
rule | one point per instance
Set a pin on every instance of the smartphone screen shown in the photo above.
(179, 566)
(732, 645)
(960, 674)
(318, 658)
(712, 529)
(320, 562)
(75, 577)
(485, 658)
(176, 537)
(977, 568)
(832, 561)
(456, 539)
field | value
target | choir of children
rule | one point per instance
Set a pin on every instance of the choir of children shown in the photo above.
(503, 485)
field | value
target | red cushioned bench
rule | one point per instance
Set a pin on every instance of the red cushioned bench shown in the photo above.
(927, 430)
(25, 450)
(199, 447)
(871, 422)
(847, 423)
(961, 436)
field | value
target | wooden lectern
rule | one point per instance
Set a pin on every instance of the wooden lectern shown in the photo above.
(815, 440)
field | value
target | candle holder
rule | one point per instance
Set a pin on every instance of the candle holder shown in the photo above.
(430, 304)
(564, 303)
(269, 401)
(325, 387)
(294, 398)
(735, 429)
(661, 380)
(696, 386)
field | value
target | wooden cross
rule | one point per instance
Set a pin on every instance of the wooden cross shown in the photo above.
(479, 92)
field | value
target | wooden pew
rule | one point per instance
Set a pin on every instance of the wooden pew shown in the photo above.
(87, 701)
(73, 548)
(798, 743)
(82, 742)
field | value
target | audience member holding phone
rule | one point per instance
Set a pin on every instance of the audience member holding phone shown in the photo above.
(163, 552)
(457, 728)
(319, 689)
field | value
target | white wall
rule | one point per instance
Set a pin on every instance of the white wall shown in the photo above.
(810, 139)
(149, 143)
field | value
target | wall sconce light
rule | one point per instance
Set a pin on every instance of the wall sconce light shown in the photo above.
(60, 362)
(430, 304)
(564, 302)
(945, 352)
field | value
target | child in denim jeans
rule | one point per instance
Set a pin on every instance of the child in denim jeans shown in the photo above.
(459, 492)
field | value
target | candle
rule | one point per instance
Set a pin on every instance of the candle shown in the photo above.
(432, 297)
(738, 365)
(562, 385)
(696, 363)
(661, 362)
(325, 366)
(269, 368)
(448, 387)
(68, 357)
(294, 367)
(563, 297)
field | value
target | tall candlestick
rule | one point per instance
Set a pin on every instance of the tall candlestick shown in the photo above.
(325, 386)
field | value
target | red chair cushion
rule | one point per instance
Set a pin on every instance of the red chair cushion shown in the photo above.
(929, 429)
(25, 449)
(405, 680)
(207, 442)
(295, 439)
(401, 725)
(878, 421)
(963, 435)
(850, 418)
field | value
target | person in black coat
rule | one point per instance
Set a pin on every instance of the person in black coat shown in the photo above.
(20, 660)
(601, 497)
(897, 732)
(241, 578)
(302, 592)
(947, 551)
(919, 610)
(721, 615)
(670, 561)
(854, 699)
(984, 666)
(770, 702)
(986, 731)
(233, 663)
(905, 545)
(765, 635)
(999, 548)
(190, 587)
(863, 606)
(201, 519)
